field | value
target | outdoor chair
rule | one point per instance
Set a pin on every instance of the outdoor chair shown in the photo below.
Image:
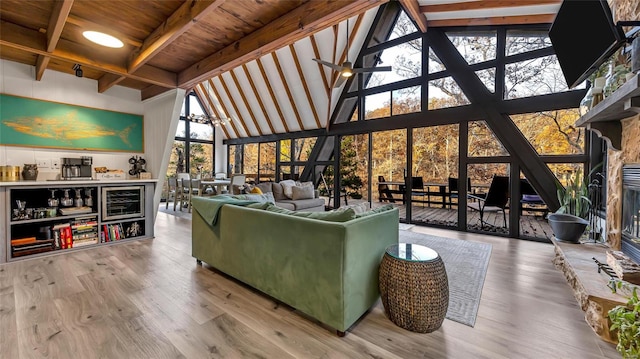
(531, 198)
(454, 190)
(385, 193)
(417, 188)
(494, 201)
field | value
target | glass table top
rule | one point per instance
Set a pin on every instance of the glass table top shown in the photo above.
(412, 252)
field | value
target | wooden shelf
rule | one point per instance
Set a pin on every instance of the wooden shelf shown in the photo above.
(604, 118)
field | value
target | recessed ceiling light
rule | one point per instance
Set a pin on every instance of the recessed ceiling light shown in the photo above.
(102, 39)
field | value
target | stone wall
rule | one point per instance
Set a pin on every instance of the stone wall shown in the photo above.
(630, 153)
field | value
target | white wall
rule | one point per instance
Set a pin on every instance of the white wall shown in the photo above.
(160, 118)
(220, 153)
(19, 79)
(164, 111)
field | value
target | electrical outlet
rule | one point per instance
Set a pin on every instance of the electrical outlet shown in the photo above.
(55, 164)
(44, 164)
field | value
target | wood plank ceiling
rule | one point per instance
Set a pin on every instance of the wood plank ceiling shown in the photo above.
(248, 60)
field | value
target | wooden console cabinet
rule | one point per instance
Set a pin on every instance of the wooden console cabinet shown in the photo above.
(117, 210)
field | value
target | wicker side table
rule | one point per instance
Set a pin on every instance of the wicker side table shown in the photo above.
(414, 287)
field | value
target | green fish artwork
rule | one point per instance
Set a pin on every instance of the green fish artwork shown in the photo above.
(35, 123)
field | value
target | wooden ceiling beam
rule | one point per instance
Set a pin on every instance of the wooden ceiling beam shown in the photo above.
(152, 91)
(58, 18)
(287, 89)
(224, 108)
(246, 102)
(204, 94)
(89, 25)
(108, 80)
(187, 15)
(306, 19)
(34, 42)
(274, 99)
(498, 20)
(412, 8)
(257, 95)
(482, 4)
(316, 53)
(304, 85)
(41, 64)
(233, 104)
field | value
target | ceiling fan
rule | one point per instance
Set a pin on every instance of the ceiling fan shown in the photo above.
(346, 69)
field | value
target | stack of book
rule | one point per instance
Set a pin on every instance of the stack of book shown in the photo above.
(84, 231)
(29, 245)
(112, 232)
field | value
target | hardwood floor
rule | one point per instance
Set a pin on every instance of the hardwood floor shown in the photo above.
(149, 299)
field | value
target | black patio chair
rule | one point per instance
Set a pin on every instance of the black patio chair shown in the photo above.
(417, 188)
(494, 201)
(454, 191)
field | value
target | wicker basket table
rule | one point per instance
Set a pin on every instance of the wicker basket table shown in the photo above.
(414, 287)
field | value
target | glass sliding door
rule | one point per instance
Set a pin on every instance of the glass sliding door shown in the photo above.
(388, 169)
(433, 171)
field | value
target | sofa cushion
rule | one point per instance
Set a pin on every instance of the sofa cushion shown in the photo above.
(278, 192)
(287, 188)
(302, 192)
(330, 216)
(259, 205)
(266, 197)
(265, 187)
(301, 204)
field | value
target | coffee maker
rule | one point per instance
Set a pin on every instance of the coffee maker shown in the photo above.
(77, 168)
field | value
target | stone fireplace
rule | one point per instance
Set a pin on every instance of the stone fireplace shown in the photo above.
(629, 156)
(631, 211)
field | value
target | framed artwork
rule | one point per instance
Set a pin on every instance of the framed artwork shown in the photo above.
(37, 123)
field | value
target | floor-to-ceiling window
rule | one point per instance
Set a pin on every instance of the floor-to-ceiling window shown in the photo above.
(193, 146)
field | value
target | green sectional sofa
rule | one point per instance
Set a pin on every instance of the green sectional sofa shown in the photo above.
(327, 270)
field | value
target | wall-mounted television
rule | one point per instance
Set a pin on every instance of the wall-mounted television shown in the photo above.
(584, 36)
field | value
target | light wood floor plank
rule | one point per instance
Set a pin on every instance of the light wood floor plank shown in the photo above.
(149, 299)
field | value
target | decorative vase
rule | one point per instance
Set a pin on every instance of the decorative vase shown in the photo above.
(30, 172)
(567, 227)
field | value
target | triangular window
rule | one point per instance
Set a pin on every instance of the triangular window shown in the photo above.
(444, 93)
(488, 78)
(404, 26)
(477, 47)
(519, 41)
(483, 142)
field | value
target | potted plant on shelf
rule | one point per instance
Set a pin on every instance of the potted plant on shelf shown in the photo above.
(625, 322)
(569, 221)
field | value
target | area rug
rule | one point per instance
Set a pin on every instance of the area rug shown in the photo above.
(466, 265)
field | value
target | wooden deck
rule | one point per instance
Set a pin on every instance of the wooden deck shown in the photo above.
(531, 225)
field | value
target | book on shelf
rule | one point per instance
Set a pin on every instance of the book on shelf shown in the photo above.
(19, 241)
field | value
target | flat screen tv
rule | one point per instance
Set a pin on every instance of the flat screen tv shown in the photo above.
(583, 36)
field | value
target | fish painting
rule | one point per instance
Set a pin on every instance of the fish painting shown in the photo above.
(65, 129)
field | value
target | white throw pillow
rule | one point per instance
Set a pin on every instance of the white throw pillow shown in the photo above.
(286, 187)
(358, 208)
(302, 192)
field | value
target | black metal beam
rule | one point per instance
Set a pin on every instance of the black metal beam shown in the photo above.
(276, 137)
(540, 176)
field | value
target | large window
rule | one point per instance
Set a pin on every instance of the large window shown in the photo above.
(193, 147)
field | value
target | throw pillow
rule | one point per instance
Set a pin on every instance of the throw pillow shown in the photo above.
(278, 193)
(386, 207)
(286, 187)
(256, 190)
(330, 216)
(265, 187)
(358, 208)
(306, 192)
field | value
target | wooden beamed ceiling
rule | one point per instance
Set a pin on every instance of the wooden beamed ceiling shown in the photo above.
(248, 60)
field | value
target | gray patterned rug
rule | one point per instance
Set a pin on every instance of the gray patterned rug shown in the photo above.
(466, 264)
